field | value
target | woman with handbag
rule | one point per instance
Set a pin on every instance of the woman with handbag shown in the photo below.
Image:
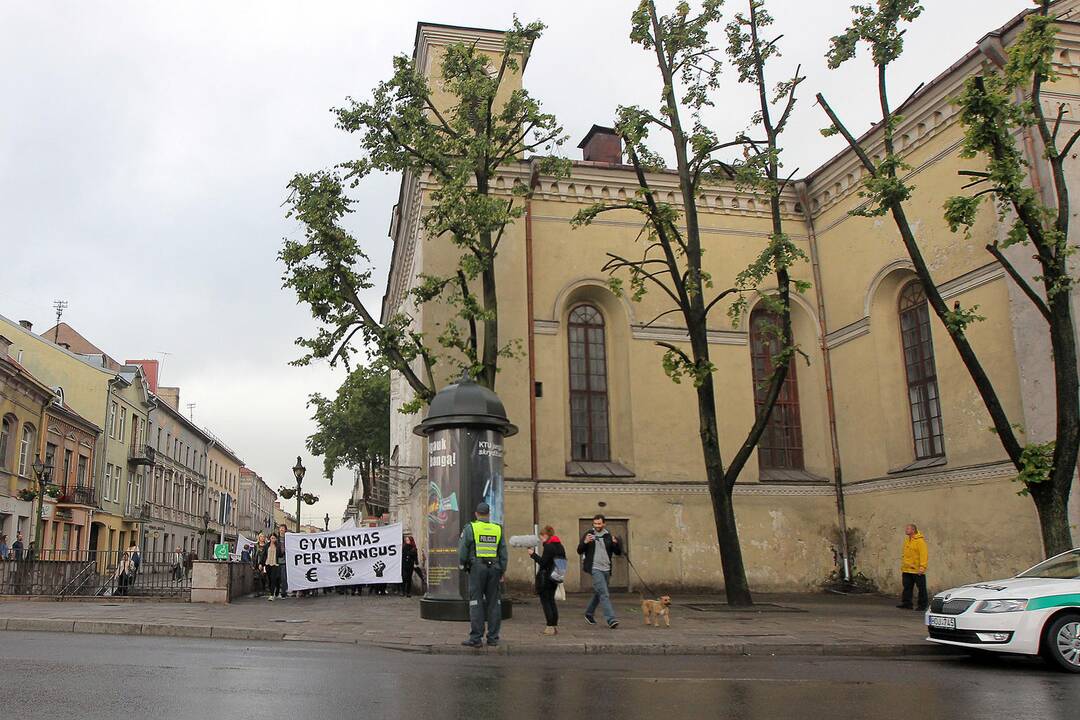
(550, 573)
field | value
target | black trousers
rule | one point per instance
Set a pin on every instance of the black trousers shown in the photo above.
(911, 581)
(547, 602)
(273, 574)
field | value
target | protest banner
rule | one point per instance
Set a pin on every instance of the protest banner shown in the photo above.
(346, 556)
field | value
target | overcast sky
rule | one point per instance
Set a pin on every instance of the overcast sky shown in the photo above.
(145, 148)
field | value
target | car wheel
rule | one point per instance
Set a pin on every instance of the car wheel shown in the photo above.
(1061, 642)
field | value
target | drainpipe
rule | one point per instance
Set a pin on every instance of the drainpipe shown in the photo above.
(802, 189)
(993, 49)
(534, 180)
(106, 430)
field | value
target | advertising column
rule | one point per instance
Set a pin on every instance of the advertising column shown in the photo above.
(465, 428)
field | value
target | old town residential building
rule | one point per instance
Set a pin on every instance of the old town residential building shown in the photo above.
(109, 395)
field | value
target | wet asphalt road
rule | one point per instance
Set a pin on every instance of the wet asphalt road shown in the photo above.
(61, 675)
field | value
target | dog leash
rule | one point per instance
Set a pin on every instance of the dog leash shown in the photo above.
(643, 583)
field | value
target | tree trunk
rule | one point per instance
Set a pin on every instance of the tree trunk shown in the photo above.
(1055, 523)
(490, 358)
(1052, 506)
(736, 588)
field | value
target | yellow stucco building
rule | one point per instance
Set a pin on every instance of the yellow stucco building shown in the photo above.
(23, 419)
(613, 434)
(110, 396)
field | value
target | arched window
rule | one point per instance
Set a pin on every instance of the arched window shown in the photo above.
(588, 386)
(26, 450)
(5, 438)
(922, 385)
(780, 447)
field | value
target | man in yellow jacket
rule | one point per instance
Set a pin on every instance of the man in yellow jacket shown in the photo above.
(913, 567)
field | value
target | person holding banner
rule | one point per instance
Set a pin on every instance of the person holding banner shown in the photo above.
(272, 567)
(482, 554)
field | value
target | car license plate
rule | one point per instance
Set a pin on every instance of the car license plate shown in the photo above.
(945, 623)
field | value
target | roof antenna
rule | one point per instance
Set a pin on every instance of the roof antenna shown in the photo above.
(161, 367)
(191, 411)
(59, 306)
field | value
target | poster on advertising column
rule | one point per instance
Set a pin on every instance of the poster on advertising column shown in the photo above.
(444, 513)
(465, 468)
(346, 556)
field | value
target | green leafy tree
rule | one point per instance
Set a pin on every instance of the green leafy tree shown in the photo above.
(354, 427)
(460, 137)
(991, 114)
(671, 261)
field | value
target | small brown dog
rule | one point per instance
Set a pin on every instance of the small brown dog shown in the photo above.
(653, 610)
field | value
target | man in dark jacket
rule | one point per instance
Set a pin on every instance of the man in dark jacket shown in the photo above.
(596, 549)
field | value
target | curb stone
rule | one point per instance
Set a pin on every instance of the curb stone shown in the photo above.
(41, 624)
(238, 633)
(188, 631)
(517, 649)
(100, 627)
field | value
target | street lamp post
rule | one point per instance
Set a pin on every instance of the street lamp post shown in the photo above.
(43, 473)
(301, 497)
(206, 534)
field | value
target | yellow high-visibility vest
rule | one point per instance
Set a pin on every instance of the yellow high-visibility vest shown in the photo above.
(486, 536)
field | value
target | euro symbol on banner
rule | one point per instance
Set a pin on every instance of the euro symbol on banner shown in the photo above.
(312, 575)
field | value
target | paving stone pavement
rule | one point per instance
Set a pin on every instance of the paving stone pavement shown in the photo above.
(805, 624)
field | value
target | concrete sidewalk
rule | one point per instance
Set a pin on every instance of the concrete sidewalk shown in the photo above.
(821, 624)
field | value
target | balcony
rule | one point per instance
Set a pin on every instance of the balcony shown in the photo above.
(141, 455)
(78, 496)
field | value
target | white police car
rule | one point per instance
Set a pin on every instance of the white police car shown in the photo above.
(1036, 612)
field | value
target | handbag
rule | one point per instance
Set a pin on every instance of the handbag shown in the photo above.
(558, 572)
(560, 592)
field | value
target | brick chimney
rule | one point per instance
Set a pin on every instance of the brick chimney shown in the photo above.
(602, 145)
(170, 395)
(5, 345)
(150, 370)
(27, 325)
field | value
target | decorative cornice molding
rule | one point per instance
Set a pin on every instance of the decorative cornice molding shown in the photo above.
(949, 289)
(545, 327)
(971, 280)
(847, 333)
(924, 479)
(913, 481)
(656, 333)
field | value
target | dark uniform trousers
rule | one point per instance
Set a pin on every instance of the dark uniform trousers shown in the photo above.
(484, 605)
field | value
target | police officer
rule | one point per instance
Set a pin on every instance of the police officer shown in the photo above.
(482, 554)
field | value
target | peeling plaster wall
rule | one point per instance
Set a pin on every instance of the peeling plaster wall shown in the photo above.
(672, 536)
(975, 531)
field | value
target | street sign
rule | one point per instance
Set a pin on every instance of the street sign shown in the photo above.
(221, 551)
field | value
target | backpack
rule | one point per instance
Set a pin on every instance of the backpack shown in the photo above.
(558, 573)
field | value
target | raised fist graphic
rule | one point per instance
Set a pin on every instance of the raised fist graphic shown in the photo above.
(378, 567)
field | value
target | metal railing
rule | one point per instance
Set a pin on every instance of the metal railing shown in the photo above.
(78, 495)
(141, 454)
(82, 573)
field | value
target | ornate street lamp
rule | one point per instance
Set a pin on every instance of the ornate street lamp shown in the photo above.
(43, 473)
(206, 534)
(287, 492)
